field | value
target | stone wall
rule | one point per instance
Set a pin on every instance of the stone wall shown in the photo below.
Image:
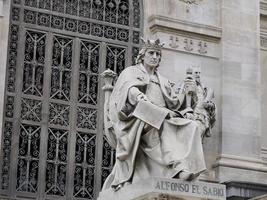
(223, 37)
(241, 93)
(263, 61)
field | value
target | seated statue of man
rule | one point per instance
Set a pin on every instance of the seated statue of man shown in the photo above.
(153, 139)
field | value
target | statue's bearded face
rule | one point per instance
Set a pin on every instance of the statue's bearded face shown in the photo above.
(197, 74)
(152, 57)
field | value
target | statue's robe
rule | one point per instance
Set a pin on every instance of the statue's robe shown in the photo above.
(143, 151)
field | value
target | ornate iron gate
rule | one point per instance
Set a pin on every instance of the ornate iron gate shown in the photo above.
(52, 140)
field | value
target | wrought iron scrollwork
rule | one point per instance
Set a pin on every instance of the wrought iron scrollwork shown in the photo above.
(61, 68)
(31, 110)
(34, 63)
(115, 58)
(108, 160)
(84, 165)
(57, 49)
(87, 118)
(7, 138)
(10, 106)
(89, 69)
(12, 62)
(111, 11)
(136, 13)
(56, 165)
(59, 114)
(28, 158)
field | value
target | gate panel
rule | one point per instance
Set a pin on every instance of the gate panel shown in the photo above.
(52, 140)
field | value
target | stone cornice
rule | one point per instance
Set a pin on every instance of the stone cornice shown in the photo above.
(239, 162)
(163, 23)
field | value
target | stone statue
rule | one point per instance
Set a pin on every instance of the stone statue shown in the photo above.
(145, 121)
(205, 109)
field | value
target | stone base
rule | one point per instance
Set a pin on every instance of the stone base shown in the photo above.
(263, 197)
(166, 189)
(241, 190)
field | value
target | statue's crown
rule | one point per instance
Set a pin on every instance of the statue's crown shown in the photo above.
(152, 44)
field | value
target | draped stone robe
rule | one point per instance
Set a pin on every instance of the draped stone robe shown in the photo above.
(143, 151)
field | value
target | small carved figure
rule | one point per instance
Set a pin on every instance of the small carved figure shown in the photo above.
(205, 109)
(202, 109)
(146, 124)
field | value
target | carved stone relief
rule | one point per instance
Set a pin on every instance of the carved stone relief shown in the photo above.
(193, 45)
(190, 2)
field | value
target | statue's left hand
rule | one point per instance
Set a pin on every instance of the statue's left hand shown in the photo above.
(209, 105)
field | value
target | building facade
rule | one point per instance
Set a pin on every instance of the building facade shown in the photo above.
(51, 102)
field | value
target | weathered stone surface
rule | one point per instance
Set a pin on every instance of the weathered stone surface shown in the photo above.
(170, 188)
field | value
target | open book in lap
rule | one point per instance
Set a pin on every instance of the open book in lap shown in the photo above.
(150, 113)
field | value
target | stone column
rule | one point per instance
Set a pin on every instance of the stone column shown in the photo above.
(263, 58)
(4, 29)
(240, 159)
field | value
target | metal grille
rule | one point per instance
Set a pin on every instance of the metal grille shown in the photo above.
(52, 140)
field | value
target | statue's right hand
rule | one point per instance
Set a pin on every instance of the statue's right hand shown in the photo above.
(190, 86)
(190, 116)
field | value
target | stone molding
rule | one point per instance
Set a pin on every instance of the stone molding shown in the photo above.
(244, 190)
(262, 197)
(163, 23)
(239, 162)
(157, 196)
(263, 7)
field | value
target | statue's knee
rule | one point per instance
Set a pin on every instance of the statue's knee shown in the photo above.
(194, 124)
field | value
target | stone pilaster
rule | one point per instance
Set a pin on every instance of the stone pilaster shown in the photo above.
(263, 58)
(240, 158)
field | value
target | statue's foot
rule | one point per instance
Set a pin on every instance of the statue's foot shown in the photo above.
(186, 175)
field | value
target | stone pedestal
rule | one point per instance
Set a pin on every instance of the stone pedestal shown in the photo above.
(166, 189)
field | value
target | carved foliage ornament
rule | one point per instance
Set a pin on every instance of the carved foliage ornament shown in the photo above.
(190, 1)
(188, 44)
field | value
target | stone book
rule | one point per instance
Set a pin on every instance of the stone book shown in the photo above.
(150, 113)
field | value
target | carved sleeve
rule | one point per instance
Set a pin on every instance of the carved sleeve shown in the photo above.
(133, 94)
